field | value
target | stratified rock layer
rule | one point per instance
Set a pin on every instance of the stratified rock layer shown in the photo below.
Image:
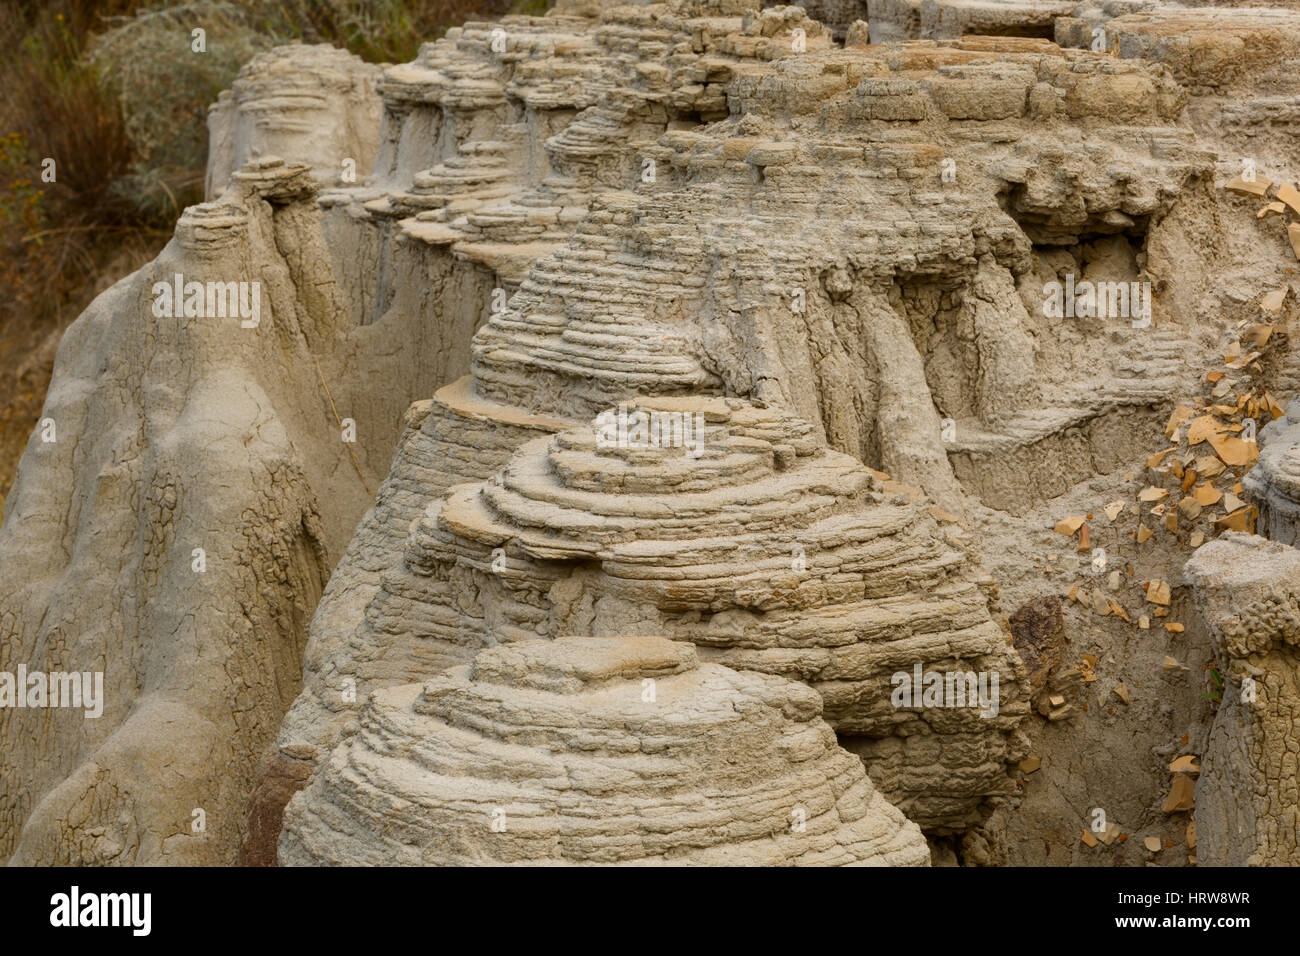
(668, 230)
(608, 751)
(1248, 795)
(1273, 485)
(684, 198)
(892, 20)
(744, 536)
(758, 221)
(307, 104)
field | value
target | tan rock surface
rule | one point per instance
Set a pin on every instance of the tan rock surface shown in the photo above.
(306, 104)
(195, 495)
(1248, 795)
(687, 201)
(623, 750)
(1273, 485)
(767, 551)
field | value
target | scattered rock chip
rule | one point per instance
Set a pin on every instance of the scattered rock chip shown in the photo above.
(1157, 591)
(1070, 525)
(1182, 794)
(1256, 187)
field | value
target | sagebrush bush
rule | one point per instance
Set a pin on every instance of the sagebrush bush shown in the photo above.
(163, 88)
(55, 106)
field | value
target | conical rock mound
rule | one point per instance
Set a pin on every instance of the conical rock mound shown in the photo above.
(596, 750)
(731, 527)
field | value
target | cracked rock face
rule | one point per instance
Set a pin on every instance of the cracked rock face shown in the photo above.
(1247, 802)
(193, 494)
(154, 501)
(622, 750)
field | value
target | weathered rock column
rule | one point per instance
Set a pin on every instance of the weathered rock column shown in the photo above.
(908, 426)
(1248, 796)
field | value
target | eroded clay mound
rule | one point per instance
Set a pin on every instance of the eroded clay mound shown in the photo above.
(619, 750)
(170, 537)
(742, 534)
(174, 524)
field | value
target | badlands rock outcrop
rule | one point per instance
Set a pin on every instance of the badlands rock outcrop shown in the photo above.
(1247, 797)
(164, 531)
(891, 20)
(306, 104)
(829, 231)
(743, 536)
(596, 750)
(175, 520)
(714, 268)
(1273, 485)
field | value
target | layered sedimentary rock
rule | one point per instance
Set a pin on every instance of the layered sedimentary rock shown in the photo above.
(704, 261)
(715, 276)
(1273, 485)
(892, 20)
(306, 104)
(840, 16)
(1207, 47)
(742, 535)
(623, 750)
(496, 157)
(496, 139)
(680, 202)
(1248, 795)
(718, 277)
